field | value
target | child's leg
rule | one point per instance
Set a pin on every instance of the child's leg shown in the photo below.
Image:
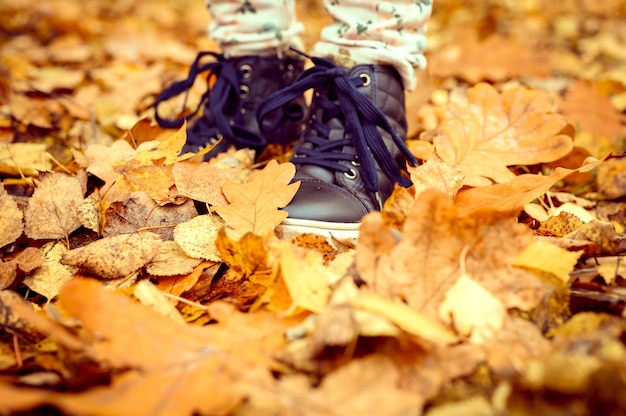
(254, 27)
(382, 32)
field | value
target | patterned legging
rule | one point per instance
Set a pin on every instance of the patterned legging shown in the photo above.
(385, 32)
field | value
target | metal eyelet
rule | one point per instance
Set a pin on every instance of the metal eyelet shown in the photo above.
(351, 174)
(355, 163)
(246, 71)
(244, 91)
(242, 110)
(367, 80)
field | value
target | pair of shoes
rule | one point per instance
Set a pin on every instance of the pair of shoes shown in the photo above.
(350, 148)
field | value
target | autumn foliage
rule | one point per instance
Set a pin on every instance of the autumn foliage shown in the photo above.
(138, 280)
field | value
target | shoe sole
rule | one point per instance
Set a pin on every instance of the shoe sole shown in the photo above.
(344, 232)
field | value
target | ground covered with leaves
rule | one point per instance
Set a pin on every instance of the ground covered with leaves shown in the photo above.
(494, 285)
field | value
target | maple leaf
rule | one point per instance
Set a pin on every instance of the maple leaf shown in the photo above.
(11, 225)
(52, 211)
(495, 58)
(495, 130)
(114, 257)
(424, 265)
(254, 206)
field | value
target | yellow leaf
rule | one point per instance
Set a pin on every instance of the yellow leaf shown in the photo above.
(11, 225)
(409, 320)
(24, 158)
(196, 238)
(306, 277)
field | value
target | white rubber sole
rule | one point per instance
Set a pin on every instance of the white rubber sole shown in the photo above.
(345, 232)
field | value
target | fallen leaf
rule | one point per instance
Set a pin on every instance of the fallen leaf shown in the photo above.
(496, 58)
(472, 310)
(26, 159)
(436, 174)
(306, 277)
(11, 225)
(407, 319)
(546, 257)
(52, 211)
(423, 266)
(114, 257)
(611, 179)
(150, 296)
(203, 182)
(513, 195)
(493, 131)
(171, 260)
(196, 238)
(254, 207)
(50, 277)
(102, 160)
(90, 212)
(593, 112)
(139, 211)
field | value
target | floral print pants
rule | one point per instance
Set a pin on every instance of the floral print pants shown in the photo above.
(384, 32)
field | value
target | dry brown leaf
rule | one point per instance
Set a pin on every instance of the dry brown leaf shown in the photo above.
(102, 160)
(196, 237)
(171, 260)
(11, 225)
(48, 279)
(150, 296)
(496, 130)
(90, 212)
(52, 211)
(114, 257)
(611, 179)
(139, 211)
(156, 181)
(255, 206)
(203, 182)
(425, 263)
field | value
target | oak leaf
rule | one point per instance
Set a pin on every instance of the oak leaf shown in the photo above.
(255, 206)
(52, 211)
(496, 130)
(11, 219)
(114, 257)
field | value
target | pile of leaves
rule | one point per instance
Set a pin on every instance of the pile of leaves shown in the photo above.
(138, 280)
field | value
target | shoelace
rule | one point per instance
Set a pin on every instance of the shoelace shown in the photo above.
(361, 117)
(221, 101)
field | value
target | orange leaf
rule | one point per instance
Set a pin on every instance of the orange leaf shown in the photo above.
(495, 130)
(254, 206)
(513, 195)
